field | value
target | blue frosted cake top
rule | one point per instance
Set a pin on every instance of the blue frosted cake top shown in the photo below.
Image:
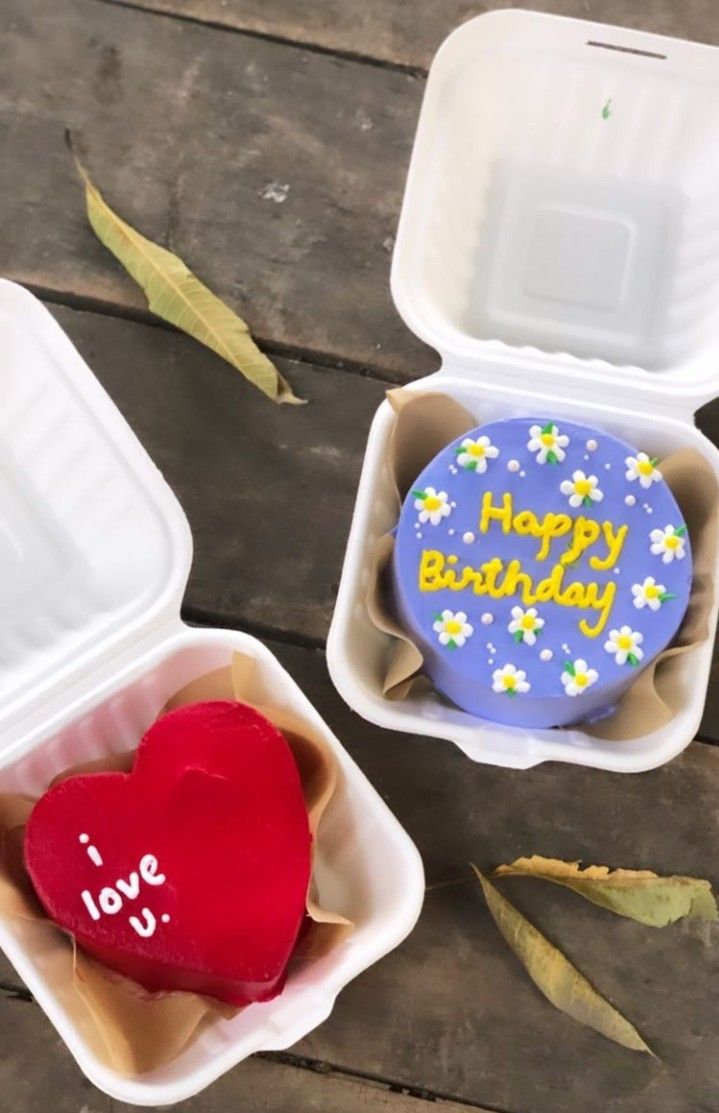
(540, 560)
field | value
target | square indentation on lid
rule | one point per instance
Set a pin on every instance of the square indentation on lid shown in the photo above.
(578, 257)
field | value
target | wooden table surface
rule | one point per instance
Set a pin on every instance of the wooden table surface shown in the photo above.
(267, 142)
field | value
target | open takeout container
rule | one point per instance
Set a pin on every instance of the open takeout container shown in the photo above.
(559, 246)
(95, 551)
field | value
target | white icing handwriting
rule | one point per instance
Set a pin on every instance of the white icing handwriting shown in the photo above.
(110, 901)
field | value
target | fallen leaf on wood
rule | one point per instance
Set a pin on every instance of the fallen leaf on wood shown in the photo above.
(174, 293)
(638, 894)
(556, 977)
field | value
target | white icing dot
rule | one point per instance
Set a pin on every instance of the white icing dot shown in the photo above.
(487, 618)
(513, 465)
(617, 571)
(453, 505)
(592, 445)
(522, 474)
(608, 467)
(546, 655)
(84, 838)
(418, 534)
(452, 469)
(468, 537)
(585, 456)
(450, 532)
(165, 918)
(630, 500)
(490, 660)
(649, 510)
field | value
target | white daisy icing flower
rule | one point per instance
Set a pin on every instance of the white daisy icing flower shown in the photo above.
(669, 543)
(583, 490)
(650, 594)
(510, 680)
(642, 468)
(548, 443)
(433, 505)
(453, 628)
(525, 625)
(624, 645)
(577, 677)
(473, 455)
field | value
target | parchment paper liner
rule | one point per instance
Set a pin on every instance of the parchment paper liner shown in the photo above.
(128, 1027)
(424, 424)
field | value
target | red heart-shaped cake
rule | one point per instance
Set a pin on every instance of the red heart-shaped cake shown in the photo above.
(190, 872)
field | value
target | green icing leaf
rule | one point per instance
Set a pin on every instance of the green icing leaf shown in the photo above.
(666, 595)
(519, 635)
(419, 494)
(569, 667)
(548, 428)
(632, 660)
(680, 531)
(552, 458)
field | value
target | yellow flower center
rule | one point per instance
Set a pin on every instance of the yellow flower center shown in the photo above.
(624, 642)
(476, 450)
(452, 626)
(671, 542)
(651, 591)
(582, 487)
(527, 622)
(547, 439)
(432, 503)
(509, 682)
(645, 467)
(581, 679)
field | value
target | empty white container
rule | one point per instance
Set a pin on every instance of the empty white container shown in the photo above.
(559, 246)
(95, 552)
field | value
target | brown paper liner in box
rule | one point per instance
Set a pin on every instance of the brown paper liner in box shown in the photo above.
(129, 1028)
(426, 423)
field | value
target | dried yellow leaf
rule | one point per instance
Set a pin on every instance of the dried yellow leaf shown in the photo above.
(637, 894)
(555, 976)
(176, 295)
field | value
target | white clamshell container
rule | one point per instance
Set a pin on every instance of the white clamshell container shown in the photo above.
(95, 552)
(559, 246)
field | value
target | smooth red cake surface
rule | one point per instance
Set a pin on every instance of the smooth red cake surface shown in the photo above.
(191, 871)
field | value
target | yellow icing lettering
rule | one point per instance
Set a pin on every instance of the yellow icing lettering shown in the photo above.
(512, 580)
(554, 525)
(615, 539)
(430, 570)
(526, 523)
(602, 603)
(490, 571)
(550, 588)
(490, 512)
(586, 532)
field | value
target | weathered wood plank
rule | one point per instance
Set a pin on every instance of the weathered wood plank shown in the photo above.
(268, 490)
(277, 173)
(38, 1073)
(451, 1012)
(408, 34)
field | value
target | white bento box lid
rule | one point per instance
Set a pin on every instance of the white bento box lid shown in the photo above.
(560, 216)
(95, 549)
(558, 245)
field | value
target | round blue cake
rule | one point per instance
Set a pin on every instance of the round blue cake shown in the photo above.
(539, 566)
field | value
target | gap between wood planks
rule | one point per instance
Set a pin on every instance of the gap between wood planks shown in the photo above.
(270, 347)
(268, 36)
(316, 1066)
